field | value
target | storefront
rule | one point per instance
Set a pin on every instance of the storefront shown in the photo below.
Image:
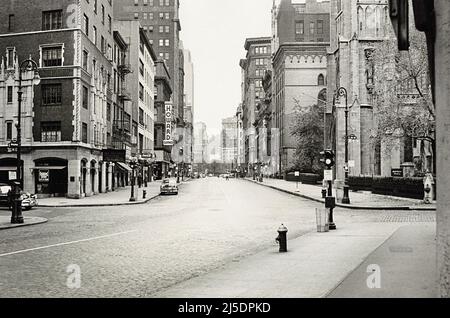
(51, 177)
(8, 170)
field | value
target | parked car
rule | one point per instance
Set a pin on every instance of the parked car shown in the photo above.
(169, 186)
(28, 201)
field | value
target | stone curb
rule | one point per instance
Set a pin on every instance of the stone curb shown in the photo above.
(348, 206)
(34, 221)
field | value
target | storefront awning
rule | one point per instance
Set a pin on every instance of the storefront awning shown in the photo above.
(123, 166)
(49, 168)
(8, 168)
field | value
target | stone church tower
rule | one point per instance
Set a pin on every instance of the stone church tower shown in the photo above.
(357, 27)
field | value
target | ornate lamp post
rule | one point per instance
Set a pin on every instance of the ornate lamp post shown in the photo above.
(28, 65)
(133, 165)
(342, 92)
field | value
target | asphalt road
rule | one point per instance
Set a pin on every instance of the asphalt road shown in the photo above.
(137, 251)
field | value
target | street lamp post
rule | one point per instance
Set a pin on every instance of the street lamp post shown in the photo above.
(342, 92)
(133, 164)
(30, 66)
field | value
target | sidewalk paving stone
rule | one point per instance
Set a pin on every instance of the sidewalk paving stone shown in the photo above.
(359, 200)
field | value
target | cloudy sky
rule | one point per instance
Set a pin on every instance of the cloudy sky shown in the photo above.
(215, 32)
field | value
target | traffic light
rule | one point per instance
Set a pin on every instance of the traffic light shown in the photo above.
(328, 158)
(399, 13)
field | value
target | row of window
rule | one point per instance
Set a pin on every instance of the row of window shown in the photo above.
(162, 3)
(162, 28)
(262, 50)
(300, 27)
(150, 15)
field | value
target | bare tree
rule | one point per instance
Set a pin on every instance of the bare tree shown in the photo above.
(402, 95)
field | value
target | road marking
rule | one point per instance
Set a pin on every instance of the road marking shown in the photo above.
(67, 243)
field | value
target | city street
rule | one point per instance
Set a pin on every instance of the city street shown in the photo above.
(139, 251)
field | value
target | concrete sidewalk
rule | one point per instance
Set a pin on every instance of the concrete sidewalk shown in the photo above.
(359, 200)
(5, 222)
(116, 198)
(406, 265)
(315, 264)
(318, 264)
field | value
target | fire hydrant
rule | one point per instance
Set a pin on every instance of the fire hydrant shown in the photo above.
(282, 238)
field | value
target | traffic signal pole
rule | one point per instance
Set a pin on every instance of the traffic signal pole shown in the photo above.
(330, 201)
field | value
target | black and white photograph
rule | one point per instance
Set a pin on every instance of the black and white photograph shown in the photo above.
(224, 155)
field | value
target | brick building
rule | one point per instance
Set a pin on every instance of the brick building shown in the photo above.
(65, 119)
(160, 20)
(140, 86)
(254, 66)
(163, 99)
(301, 36)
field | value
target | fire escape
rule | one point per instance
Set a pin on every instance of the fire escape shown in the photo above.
(122, 130)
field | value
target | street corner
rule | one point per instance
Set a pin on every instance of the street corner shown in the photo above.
(5, 222)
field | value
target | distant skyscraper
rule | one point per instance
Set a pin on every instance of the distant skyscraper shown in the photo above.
(229, 140)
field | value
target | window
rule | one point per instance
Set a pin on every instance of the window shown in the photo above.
(141, 116)
(141, 92)
(145, 15)
(86, 25)
(108, 112)
(161, 15)
(103, 45)
(9, 130)
(85, 97)
(167, 3)
(84, 133)
(50, 131)
(136, 15)
(103, 14)
(167, 42)
(141, 67)
(167, 28)
(299, 27)
(11, 20)
(319, 27)
(167, 15)
(95, 35)
(95, 6)
(312, 28)
(161, 29)
(85, 60)
(51, 94)
(52, 20)
(161, 42)
(167, 56)
(10, 95)
(109, 24)
(10, 57)
(52, 56)
(321, 80)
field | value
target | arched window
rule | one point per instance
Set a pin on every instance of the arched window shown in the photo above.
(321, 80)
(361, 20)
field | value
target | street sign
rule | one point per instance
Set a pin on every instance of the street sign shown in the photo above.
(297, 173)
(328, 175)
(397, 173)
(168, 142)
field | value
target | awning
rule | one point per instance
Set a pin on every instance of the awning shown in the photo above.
(8, 168)
(49, 168)
(123, 166)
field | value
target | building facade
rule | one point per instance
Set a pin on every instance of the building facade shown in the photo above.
(301, 35)
(254, 66)
(189, 109)
(229, 141)
(200, 144)
(359, 31)
(160, 21)
(163, 102)
(65, 119)
(140, 85)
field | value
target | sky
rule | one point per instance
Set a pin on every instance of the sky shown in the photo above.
(215, 32)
